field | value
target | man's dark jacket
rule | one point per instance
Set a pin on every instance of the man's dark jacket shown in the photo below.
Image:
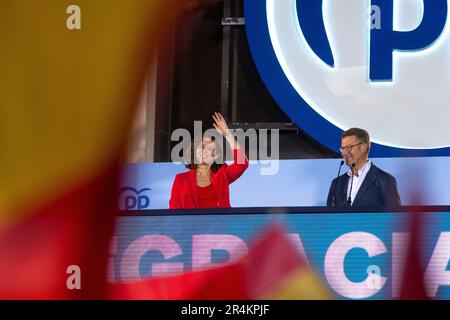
(378, 190)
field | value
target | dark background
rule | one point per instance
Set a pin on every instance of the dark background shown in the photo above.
(205, 66)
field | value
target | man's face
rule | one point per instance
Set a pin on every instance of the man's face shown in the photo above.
(352, 151)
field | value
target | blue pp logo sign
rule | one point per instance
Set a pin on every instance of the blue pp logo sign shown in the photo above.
(133, 199)
(382, 65)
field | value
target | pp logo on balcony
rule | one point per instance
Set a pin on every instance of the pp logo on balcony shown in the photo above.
(133, 199)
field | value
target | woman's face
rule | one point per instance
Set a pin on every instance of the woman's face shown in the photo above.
(206, 152)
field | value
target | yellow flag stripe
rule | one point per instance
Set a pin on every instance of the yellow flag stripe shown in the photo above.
(66, 95)
(303, 284)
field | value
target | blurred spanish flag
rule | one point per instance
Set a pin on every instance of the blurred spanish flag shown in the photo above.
(66, 100)
(67, 97)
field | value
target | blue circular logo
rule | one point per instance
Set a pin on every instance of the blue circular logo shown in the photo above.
(381, 65)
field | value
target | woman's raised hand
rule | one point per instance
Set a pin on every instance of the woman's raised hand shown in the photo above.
(220, 124)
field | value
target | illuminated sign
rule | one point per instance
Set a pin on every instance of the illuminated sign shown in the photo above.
(382, 65)
(357, 255)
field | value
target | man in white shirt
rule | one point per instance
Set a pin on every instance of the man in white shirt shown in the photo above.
(364, 185)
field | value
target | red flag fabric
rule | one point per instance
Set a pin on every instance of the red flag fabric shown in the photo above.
(413, 284)
(67, 97)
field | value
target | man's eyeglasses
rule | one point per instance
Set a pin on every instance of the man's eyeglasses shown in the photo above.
(349, 147)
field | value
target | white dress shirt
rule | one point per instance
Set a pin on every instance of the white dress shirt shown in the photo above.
(357, 180)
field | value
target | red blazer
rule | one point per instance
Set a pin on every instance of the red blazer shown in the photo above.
(184, 188)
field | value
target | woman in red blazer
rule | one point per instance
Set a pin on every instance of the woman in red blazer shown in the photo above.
(205, 185)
